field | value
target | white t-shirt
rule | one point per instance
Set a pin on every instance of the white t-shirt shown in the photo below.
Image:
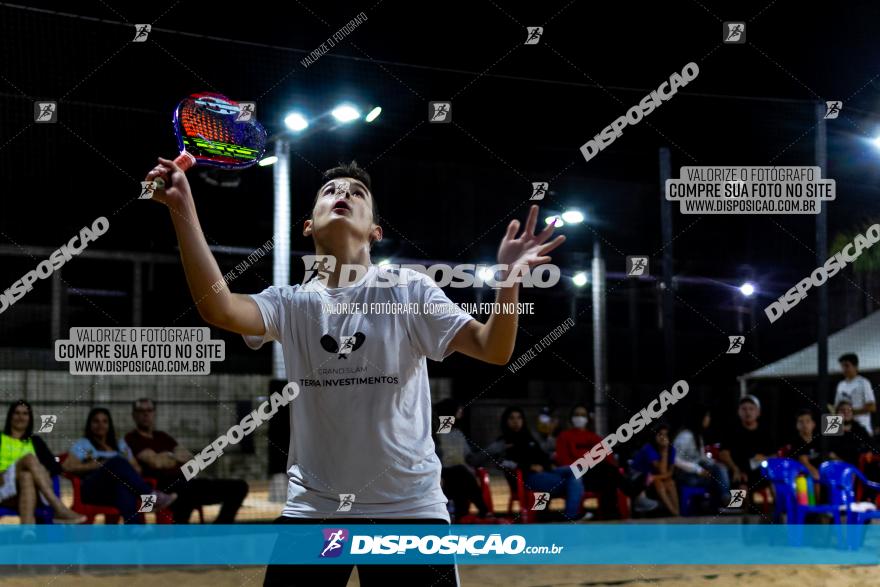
(859, 392)
(362, 421)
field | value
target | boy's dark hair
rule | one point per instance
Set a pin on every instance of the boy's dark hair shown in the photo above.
(849, 358)
(354, 171)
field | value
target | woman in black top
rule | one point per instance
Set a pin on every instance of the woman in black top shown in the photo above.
(854, 441)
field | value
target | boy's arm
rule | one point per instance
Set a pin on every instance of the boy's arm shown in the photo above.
(493, 341)
(223, 309)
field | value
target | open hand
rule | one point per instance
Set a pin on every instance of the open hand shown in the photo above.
(529, 249)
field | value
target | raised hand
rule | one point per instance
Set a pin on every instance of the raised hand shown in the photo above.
(529, 249)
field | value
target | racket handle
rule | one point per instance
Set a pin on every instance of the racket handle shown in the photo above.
(185, 161)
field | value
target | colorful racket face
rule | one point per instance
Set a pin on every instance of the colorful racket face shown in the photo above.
(216, 131)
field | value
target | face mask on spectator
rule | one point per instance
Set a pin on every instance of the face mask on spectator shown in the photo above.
(579, 421)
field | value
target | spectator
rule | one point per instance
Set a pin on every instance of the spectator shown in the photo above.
(857, 390)
(605, 478)
(161, 457)
(693, 467)
(746, 445)
(657, 459)
(456, 457)
(803, 446)
(25, 467)
(854, 441)
(519, 449)
(546, 427)
(108, 470)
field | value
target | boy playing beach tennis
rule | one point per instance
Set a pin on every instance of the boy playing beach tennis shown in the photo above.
(361, 426)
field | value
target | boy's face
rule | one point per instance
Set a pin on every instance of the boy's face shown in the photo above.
(343, 204)
(849, 370)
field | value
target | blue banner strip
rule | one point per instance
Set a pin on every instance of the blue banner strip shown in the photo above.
(535, 544)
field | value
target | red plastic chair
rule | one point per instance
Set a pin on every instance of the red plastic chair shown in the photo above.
(521, 494)
(111, 514)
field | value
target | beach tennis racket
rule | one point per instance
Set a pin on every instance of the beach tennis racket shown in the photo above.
(215, 131)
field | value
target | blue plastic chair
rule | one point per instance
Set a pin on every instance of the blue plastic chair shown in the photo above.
(840, 477)
(783, 473)
(43, 513)
(687, 495)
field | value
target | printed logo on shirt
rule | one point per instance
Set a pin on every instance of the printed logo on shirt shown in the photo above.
(346, 346)
(333, 540)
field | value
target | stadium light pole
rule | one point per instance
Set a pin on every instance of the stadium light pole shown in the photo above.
(821, 255)
(599, 339)
(281, 235)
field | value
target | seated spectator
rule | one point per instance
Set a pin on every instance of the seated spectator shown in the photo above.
(746, 445)
(161, 457)
(457, 477)
(804, 447)
(604, 478)
(26, 464)
(854, 441)
(519, 449)
(546, 428)
(657, 459)
(692, 466)
(108, 470)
